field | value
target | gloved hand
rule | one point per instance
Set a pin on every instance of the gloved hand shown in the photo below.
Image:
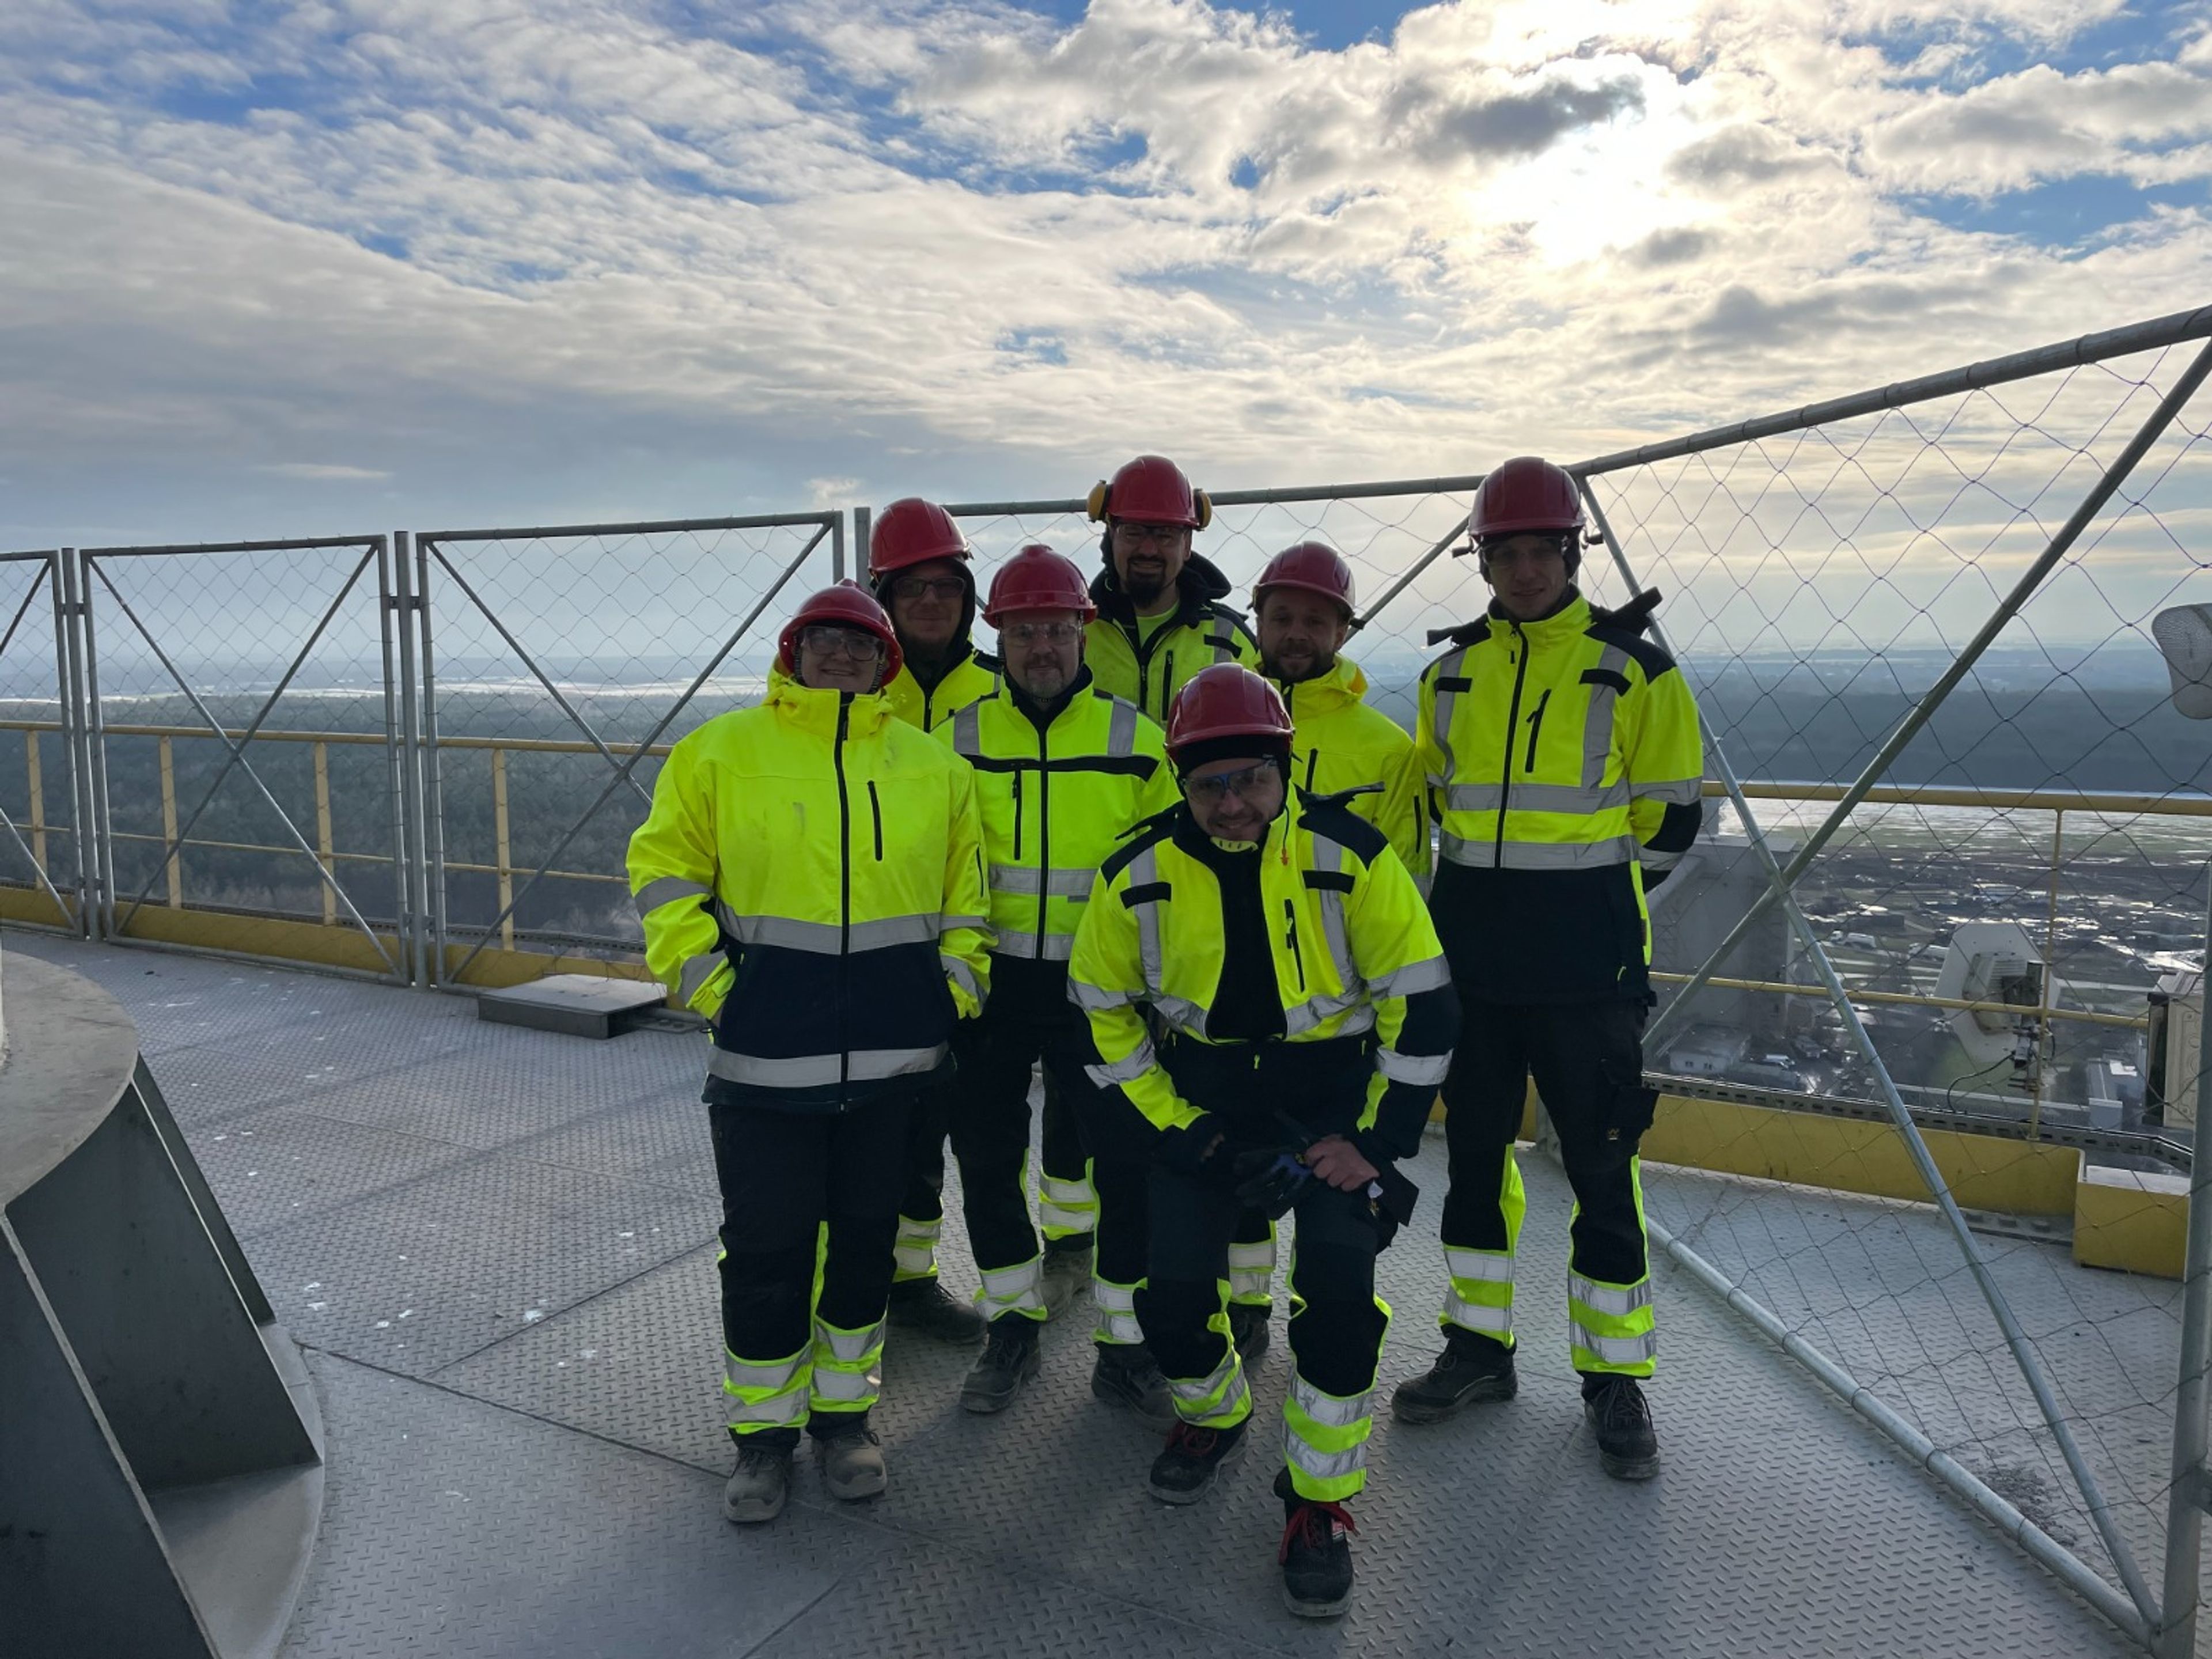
(1270, 1179)
(1196, 1149)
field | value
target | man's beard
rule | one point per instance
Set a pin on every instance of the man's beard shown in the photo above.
(1146, 587)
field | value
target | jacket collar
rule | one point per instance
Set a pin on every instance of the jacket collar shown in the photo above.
(960, 652)
(1200, 586)
(1326, 692)
(1570, 617)
(814, 710)
(1044, 716)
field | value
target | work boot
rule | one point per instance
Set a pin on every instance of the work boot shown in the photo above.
(851, 1461)
(924, 1305)
(1472, 1370)
(762, 1481)
(1247, 1329)
(1620, 1417)
(1126, 1375)
(1315, 1554)
(1008, 1360)
(1194, 1456)
(1066, 1273)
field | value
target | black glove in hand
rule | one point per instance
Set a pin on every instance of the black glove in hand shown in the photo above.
(1270, 1179)
(1195, 1149)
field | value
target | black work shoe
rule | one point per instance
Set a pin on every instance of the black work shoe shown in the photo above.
(1064, 1275)
(1249, 1330)
(1620, 1417)
(1470, 1371)
(1008, 1360)
(1181, 1473)
(761, 1483)
(1126, 1375)
(1315, 1554)
(924, 1305)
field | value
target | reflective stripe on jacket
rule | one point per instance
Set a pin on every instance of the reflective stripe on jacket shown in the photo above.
(1566, 772)
(1054, 802)
(974, 676)
(1340, 743)
(1352, 950)
(1149, 672)
(810, 877)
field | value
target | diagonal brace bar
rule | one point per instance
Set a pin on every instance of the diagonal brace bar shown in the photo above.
(1779, 890)
(2168, 408)
(624, 769)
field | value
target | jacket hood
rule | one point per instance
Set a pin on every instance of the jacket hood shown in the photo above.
(814, 709)
(1343, 684)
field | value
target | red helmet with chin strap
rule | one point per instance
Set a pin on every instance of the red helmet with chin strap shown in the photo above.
(1226, 700)
(847, 605)
(1312, 567)
(1038, 579)
(1525, 494)
(912, 532)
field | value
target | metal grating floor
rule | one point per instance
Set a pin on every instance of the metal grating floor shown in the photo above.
(496, 1246)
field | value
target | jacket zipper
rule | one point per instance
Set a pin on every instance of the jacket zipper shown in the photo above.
(1512, 720)
(876, 812)
(1536, 725)
(1018, 813)
(1297, 957)
(1167, 680)
(844, 892)
(1043, 836)
(1313, 759)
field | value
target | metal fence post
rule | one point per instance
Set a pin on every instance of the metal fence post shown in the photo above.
(2187, 1495)
(430, 796)
(837, 541)
(400, 740)
(100, 831)
(70, 696)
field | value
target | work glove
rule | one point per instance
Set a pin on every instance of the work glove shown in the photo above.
(1270, 1179)
(1199, 1148)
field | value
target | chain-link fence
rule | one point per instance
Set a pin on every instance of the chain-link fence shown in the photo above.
(243, 749)
(42, 877)
(557, 666)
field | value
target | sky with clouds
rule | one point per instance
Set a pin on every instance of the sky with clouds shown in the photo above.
(330, 266)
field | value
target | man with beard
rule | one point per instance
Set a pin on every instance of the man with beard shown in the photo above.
(1160, 619)
(1304, 605)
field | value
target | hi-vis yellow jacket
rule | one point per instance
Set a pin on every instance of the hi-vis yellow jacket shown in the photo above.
(1565, 767)
(810, 877)
(1055, 801)
(972, 676)
(1341, 743)
(1149, 672)
(1352, 950)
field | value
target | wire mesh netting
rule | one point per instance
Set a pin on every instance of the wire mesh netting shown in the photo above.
(247, 750)
(39, 873)
(553, 655)
(2010, 915)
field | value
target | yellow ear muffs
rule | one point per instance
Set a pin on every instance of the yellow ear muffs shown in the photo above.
(1095, 504)
(1204, 503)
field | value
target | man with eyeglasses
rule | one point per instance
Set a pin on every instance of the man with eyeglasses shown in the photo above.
(919, 563)
(809, 878)
(1263, 984)
(1562, 747)
(1160, 616)
(1063, 770)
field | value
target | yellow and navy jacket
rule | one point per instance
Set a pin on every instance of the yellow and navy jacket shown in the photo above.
(811, 879)
(1149, 672)
(1565, 771)
(973, 674)
(1341, 743)
(1314, 936)
(1056, 796)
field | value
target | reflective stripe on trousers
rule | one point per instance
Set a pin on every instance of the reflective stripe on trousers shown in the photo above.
(1016, 1290)
(1116, 1306)
(1252, 1270)
(1221, 1401)
(1066, 1207)
(1612, 1328)
(847, 1368)
(1481, 1295)
(768, 1393)
(913, 1252)
(1325, 1441)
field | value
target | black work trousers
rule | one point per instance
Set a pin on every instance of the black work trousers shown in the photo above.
(784, 1176)
(1029, 1019)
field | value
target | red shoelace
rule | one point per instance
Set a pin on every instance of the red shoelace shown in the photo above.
(1312, 1519)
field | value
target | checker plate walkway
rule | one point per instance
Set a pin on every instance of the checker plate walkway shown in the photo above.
(496, 1246)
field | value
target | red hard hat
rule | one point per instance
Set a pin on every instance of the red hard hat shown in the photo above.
(847, 605)
(1038, 578)
(1525, 494)
(1151, 489)
(1226, 700)
(1313, 567)
(909, 533)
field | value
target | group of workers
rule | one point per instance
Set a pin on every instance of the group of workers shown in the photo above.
(1178, 862)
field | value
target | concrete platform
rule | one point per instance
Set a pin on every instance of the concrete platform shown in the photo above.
(496, 1246)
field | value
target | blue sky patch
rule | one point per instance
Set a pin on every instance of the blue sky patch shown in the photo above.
(2062, 212)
